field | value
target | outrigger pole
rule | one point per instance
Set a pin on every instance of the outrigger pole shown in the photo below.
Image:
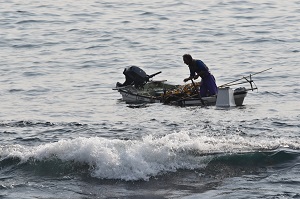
(247, 81)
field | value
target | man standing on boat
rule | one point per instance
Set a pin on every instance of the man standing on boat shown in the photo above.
(197, 68)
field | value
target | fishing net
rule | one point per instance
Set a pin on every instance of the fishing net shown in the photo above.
(181, 92)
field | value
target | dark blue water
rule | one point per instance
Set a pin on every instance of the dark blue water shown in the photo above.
(66, 134)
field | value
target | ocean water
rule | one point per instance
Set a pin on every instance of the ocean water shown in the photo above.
(66, 134)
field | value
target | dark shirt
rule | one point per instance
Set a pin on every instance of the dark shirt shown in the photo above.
(198, 67)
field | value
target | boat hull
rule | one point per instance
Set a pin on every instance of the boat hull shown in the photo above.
(129, 96)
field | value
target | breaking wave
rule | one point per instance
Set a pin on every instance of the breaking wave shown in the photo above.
(142, 159)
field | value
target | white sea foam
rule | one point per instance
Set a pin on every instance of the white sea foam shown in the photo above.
(141, 159)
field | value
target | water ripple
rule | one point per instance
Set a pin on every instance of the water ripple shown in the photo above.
(60, 61)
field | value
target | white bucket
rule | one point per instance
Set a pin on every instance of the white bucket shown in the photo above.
(225, 97)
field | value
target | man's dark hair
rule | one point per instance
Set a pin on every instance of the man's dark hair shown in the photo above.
(187, 57)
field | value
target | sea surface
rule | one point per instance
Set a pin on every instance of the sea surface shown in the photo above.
(65, 133)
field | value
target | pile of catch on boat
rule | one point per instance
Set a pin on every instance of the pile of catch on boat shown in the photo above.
(140, 88)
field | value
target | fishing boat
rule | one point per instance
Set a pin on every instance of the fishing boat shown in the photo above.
(140, 88)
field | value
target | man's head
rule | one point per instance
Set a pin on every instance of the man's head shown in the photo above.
(187, 59)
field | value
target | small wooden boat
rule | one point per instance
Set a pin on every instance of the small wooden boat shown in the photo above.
(180, 95)
(138, 88)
